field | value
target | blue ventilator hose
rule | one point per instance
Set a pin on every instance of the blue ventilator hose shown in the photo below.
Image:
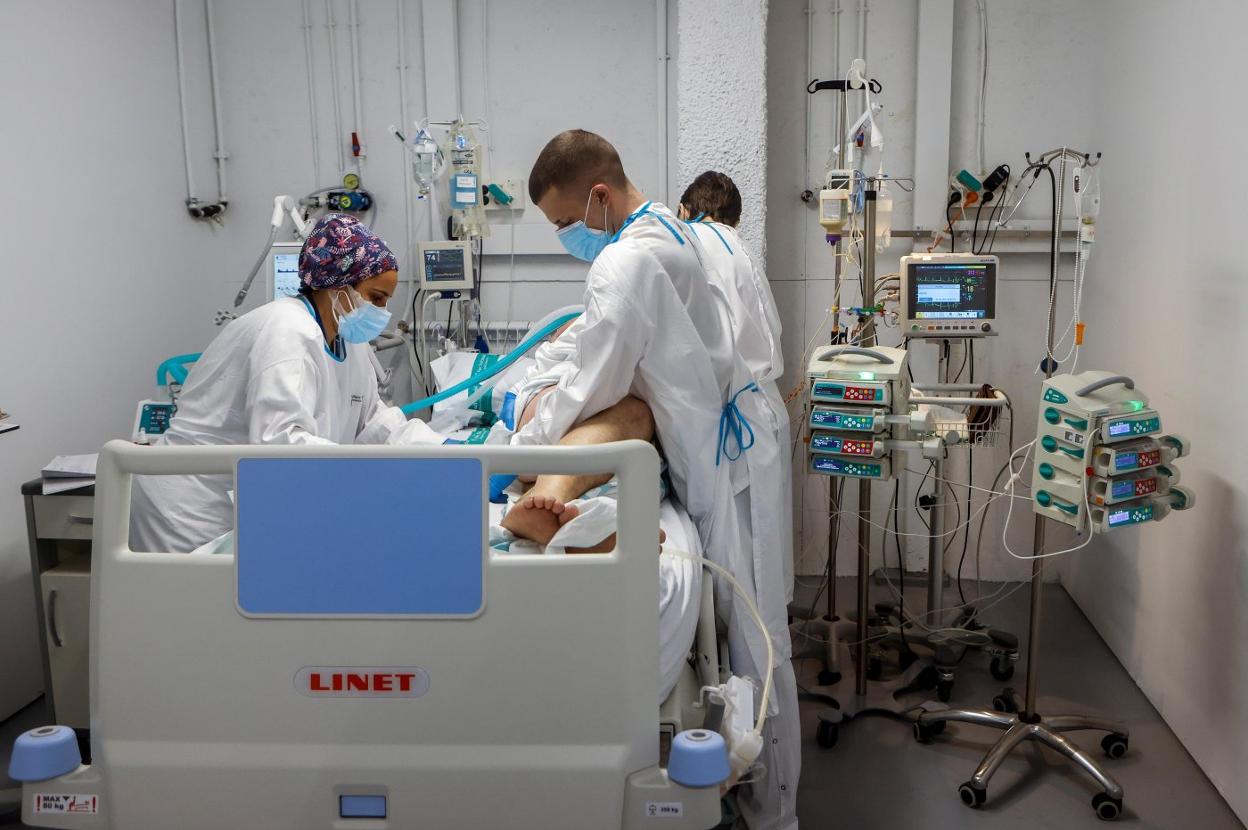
(479, 378)
(174, 370)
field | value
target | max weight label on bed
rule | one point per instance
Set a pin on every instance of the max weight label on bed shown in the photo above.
(665, 809)
(67, 804)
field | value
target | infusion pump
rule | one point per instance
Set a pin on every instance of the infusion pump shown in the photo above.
(1101, 459)
(859, 403)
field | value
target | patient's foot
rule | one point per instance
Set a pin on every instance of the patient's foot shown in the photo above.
(537, 517)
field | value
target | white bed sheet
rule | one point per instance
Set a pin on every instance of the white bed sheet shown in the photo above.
(680, 591)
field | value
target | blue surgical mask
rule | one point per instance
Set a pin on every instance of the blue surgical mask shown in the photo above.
(363, 322)
(582, 241)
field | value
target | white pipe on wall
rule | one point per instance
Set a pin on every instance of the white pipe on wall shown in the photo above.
(179, 49)
(311, 81)
(218, 119)
(358, 125)
(330, 25)
(932, 113)
(862, 29)
(400, 23)
(663, 138)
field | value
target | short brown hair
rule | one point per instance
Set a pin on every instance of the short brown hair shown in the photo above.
(575, 158)
(715, 195)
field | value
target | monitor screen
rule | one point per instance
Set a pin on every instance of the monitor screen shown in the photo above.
(444, 265)
(952, 291)
(285, 276)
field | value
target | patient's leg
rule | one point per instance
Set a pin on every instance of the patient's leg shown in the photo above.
(545, 507)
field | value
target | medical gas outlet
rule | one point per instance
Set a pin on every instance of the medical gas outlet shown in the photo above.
(1101, 459)
(859, 399)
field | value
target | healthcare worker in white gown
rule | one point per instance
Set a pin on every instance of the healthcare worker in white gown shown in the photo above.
(711, 204)
(294, 371)
(656, 328)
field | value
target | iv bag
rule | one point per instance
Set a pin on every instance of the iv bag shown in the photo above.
(424, 161)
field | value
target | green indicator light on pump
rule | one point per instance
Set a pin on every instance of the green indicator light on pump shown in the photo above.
(866, 375)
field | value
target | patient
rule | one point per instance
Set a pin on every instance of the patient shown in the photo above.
(547, 505)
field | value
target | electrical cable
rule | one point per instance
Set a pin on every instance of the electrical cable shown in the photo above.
(901, 567)
(995, 226)
(975, 228)
(970, 478)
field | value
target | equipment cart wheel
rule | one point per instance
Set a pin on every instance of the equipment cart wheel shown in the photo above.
(1107, 808)
(1115, 745)
(1001, 668)
(826, 734)
(973, 796)
(924, 732)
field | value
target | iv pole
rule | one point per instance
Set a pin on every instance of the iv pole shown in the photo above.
(1027, 724)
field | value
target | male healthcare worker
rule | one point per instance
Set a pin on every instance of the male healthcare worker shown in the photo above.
(656, 329)
(294, 371)
(712, 205)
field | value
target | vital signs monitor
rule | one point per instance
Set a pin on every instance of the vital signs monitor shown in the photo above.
(282, 270)
(948, 295)
(445, 266)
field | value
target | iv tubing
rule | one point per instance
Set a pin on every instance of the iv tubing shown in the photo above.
(765, 701)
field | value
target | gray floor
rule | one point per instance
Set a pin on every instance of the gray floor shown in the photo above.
(878, 777)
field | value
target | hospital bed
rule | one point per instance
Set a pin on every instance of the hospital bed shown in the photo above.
(364, 661)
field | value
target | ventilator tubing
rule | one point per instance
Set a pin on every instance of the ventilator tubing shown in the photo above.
(511, 357)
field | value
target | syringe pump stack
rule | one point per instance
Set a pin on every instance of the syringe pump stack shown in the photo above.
(1101, 459)
(859, 400)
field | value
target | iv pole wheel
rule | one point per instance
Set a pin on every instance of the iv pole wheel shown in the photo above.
(1107, 808)
(973, 796)
(826, 734)
(1001, 669)
(1114, 745)
(944, 690)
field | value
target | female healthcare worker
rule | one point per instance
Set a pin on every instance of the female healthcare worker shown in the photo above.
(294, 371)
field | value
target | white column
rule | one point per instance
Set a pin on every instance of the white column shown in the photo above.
(722, 103)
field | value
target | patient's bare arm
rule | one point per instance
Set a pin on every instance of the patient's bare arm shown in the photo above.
(545, 507)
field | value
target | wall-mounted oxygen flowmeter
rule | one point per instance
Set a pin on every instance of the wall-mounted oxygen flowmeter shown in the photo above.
(948, 295)
(1101, 459)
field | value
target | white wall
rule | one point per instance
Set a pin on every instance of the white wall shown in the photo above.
(1036, 57)
(104, 273)
(551, 66)
(128, 279)
(723, 102)
(1172, 599)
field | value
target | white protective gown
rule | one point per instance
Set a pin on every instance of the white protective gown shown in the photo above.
(756, 323)
(655, 327)
(267, 378)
